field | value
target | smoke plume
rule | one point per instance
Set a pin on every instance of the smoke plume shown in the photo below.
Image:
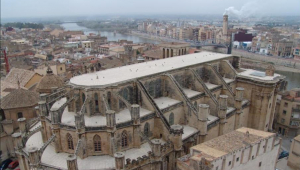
(247, 10)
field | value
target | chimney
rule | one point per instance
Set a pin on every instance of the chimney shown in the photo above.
(225, 24)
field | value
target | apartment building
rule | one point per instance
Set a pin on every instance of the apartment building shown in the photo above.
(288, 113)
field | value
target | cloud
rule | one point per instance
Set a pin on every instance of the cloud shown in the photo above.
(247, 10)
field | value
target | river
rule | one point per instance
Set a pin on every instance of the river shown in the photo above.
(292, 78)
(110, 35)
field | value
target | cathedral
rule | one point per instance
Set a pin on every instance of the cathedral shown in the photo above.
(145, 116)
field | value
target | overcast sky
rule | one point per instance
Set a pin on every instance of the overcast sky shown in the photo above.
(49, 8)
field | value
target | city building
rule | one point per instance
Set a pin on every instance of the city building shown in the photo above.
(146, 115)
(206, 33)
(18, 106)
(282, 48)
(294, 156)
(20, 103)
(87, 44)
(174, 49)
(288, 113)
(296, 53)
(71, 45)
(242, 149)
(19, 78)
(223, 36)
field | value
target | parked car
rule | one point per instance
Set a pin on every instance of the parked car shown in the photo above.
(13, 164)
(283, 154)
(5, 164)
(17, 169)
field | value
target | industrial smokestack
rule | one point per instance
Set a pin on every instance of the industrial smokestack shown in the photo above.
(225, 24)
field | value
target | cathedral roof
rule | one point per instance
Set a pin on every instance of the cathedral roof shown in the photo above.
(19, 98)
(50, 80)
(131, 72)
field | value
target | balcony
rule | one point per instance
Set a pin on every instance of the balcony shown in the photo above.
(296, 110)
(294, 124)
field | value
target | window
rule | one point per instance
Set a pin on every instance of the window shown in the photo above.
(282, 120)
(83, 97)
(259, 164)
(97, 143)
(252, 157)
(147, 129)
(70, 142)
(196, 105)
(109, 98)
(20, 115)
(217, 168)
(61, 69)
(2, 115)
(237, 159)
(158, 88)
(284, 112)
(152, 89)
(229, 163)
(124, 141)
(171, 119)
(50, 131)
(96, 102)
(285, 104)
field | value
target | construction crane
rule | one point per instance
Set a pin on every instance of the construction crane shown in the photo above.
(6, 60)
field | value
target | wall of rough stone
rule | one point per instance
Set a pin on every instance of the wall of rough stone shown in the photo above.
(229, 126)
(64, 142)
(212, 133)
(244, 118)
(12, 114)
(105, 143)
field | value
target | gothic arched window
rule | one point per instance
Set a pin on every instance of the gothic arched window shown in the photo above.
(196, 105)
(171, 119)
(97, 143)
(70, 142)
(124, 141)
(109, 98)
(126, 94)
(152, 89)
(96, 102)
(168, 53)
(83, 97)
(147, 129)
(158, 88)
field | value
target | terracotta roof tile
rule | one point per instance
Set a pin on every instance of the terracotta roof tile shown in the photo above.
(19, 98)
(22, 75)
